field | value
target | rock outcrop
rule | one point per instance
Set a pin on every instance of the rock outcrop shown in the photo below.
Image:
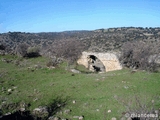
(100, 62)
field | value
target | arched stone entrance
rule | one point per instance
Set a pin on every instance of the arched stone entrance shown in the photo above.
(100, 62)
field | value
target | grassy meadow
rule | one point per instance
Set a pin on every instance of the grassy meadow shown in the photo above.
(92, 95)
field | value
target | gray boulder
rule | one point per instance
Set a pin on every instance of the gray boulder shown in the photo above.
(41, 112)
(75, 71)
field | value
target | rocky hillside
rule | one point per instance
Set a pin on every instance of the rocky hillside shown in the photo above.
(100, 40)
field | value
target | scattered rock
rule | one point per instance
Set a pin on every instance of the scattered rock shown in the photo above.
(113, 118)
(3, 60)
(73, 101)
(35, 99)
(22, 109)
(133, 71)
(123, 118)
(7, 113)
(80, 117)
(109, 111)
(129, 118)
(123, 81)
(2, 52)
(75, 117)
(9, 90)
(58, 105)
(101, 72)
(126, 87)
(29, 68)
(75, 71)
(53, 118)
(3, 102)
(52, 67)
(41, 112)
(97, 110)
(67, 111)
(156, 111)
(51, 84)
(14, 87)
(85, 104)
(37, 67)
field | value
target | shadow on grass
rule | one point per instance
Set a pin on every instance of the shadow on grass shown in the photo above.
(18, 115)
(55, 106)
(87, 72)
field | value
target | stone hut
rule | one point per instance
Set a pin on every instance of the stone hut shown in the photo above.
(100, 62)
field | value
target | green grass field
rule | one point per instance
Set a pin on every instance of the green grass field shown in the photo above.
(94, 93)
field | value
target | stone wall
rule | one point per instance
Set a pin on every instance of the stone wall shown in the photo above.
(109, 60)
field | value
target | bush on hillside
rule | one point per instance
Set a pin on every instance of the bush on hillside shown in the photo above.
(54, 61)
(24, 50)
(139, 55)
(69, 50)
(33, 52)
(2, 47)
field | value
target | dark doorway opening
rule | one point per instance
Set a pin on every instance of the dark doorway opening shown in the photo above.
(97, 69)
(93, 57)
(95, 64)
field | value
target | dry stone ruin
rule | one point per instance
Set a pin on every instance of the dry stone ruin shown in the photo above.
(100, 62)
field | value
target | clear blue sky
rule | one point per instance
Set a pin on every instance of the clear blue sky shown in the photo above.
(62, 15)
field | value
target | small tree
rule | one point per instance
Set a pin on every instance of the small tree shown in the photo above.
(33, 52)
(25, 51)
(67, 49)
(22, 49)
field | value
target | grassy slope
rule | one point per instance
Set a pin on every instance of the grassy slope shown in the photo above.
(95, 94)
